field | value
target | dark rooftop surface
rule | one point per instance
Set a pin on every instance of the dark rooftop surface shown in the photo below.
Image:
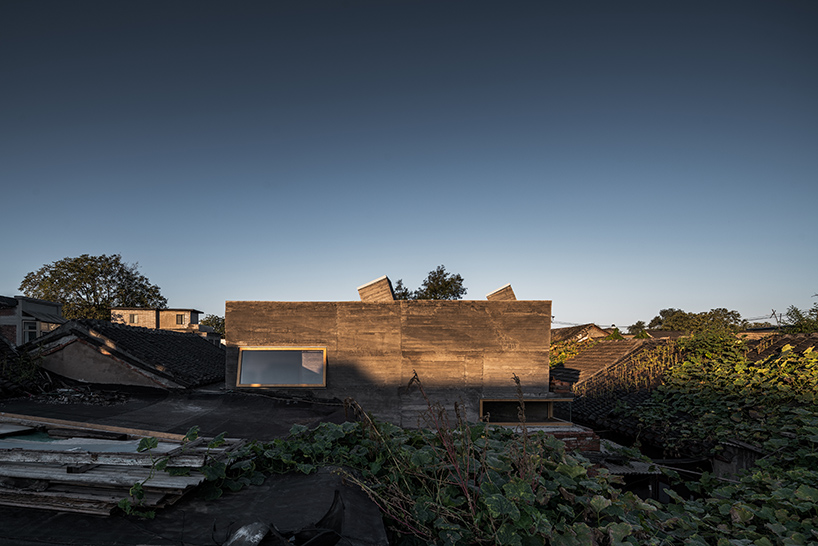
(289, 501)
(240, 415)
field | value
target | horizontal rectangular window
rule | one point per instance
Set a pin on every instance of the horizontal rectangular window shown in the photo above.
(282, 367)
(537, 411)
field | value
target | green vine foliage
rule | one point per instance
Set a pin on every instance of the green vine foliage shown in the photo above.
(459, 483)
(564, 350)
(715, 395)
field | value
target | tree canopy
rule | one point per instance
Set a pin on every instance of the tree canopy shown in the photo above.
(214, 321)
(637, 327)
(438, 285)
(799, 321)
(89, 286)
(715, 319)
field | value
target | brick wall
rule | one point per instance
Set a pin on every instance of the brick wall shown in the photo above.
(145, 318)
(9, 331)
(578, 440)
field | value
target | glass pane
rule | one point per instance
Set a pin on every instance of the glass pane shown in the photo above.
(282, 367)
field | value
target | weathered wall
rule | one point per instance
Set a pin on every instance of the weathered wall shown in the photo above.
(145, 318)
(379, 290)
(462, 350)
(82, 362)
(167, 319)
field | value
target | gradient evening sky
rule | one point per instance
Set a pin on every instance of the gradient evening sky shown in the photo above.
(616, 157)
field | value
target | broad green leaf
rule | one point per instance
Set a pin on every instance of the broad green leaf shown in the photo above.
(214, 470)
(571, 470)
(147, 443)
(306, 468)
(618, 531)
(507, 535)
(500, 506)
(741, 513)
(422, 512)
(805, 492)
(518, 490)
(599, 503)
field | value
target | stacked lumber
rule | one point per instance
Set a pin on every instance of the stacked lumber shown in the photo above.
(78, 467)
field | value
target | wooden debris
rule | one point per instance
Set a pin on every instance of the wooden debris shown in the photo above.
(90, 468)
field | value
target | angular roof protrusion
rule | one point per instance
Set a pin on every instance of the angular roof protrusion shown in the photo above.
(377, 291)
(502, 294)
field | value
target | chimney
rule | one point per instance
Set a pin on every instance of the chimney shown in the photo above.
(377, 291)
(502, 294)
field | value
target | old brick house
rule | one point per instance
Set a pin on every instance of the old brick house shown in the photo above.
(175, 320)
(23, 319)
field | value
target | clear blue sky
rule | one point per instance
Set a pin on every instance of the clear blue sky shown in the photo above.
(614, 157)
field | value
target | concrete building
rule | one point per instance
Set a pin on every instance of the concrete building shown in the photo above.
(24, 319)
(462, 351)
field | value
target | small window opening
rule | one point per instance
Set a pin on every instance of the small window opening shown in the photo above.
(282, 367)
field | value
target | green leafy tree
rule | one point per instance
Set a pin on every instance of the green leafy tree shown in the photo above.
(658, 322)
(438, 285)
(214, 321)
(799, 321)
(719, 319)
(637, 327)
(402, 292)
(89, 286)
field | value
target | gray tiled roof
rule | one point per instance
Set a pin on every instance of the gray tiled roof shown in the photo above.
(765, 347)
(601, 413)
(601, 356)
(572, 332)
(185, 358)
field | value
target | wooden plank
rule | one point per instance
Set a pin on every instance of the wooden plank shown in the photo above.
(10, 430)
(42, 421)
(78, 433)
(57, 502)
(79, 469)
(99, 475)
(83, 458)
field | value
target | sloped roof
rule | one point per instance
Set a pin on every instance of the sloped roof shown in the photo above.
(577, 333)
(770, 346)
(599, 357)
(600, 412)
(666, 334)
(184, 358)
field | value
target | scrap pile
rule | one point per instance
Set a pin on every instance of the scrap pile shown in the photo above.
(78, 467)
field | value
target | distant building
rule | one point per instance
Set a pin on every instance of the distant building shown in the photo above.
(175, 320)
(24, 319)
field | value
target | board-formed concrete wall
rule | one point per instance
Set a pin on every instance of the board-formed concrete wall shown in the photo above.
(462, 350)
